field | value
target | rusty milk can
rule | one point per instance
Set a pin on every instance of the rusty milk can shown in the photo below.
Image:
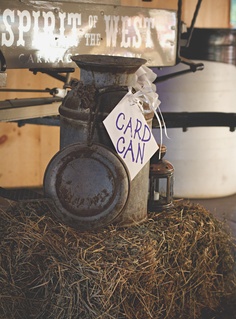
(87, 180)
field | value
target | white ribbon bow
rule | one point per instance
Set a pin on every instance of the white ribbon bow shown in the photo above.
(146, 92)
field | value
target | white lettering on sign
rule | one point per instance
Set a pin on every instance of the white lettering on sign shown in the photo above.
(111, 29)
(8, 36)
(39, 21)
(93, 39)
(137, 40)
(127, 29)
(130, 134)
(93, 21)
(24, 25)
(128, 41)
(49, 36)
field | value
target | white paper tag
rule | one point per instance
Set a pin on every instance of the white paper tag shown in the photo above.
(130, 134)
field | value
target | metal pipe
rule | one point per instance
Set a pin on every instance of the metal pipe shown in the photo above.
(197, 119)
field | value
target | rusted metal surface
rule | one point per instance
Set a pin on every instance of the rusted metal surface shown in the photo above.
(82, 114)
(103, 71)
(88, 184)
(136, 209)
(104, 82)
(77, 119)
(137, 204)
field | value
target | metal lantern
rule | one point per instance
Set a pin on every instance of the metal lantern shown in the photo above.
(161, 182)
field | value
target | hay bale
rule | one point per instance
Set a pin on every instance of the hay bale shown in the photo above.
(174, 265)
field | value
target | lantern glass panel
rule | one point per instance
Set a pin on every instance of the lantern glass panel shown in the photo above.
(162, 187)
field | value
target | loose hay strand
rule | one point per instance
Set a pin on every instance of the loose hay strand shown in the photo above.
(174, 265)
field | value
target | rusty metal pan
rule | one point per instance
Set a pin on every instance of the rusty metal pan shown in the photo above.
(97, 62)
(89, 185)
